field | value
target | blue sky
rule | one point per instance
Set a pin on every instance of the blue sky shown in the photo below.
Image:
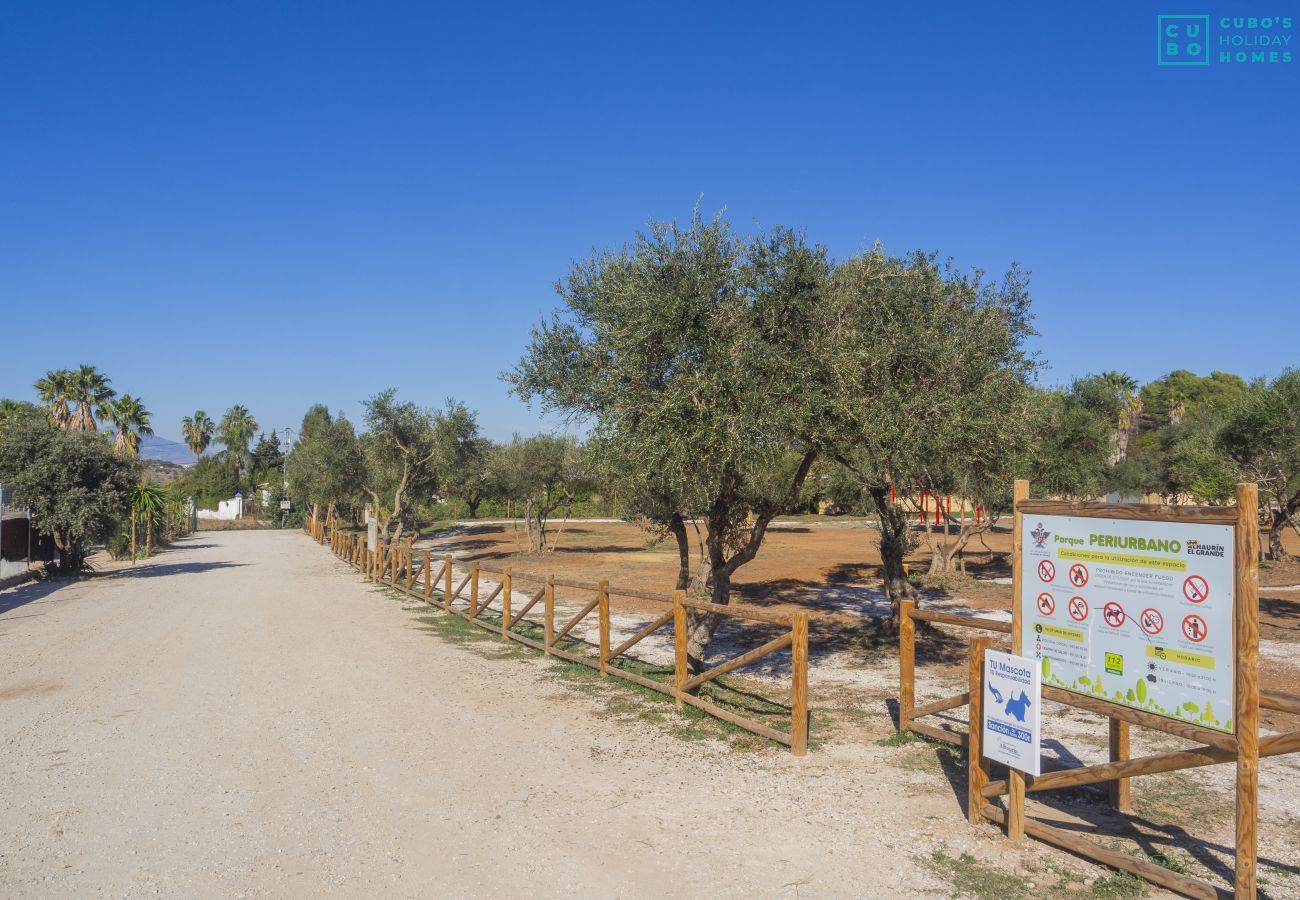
(279, 204)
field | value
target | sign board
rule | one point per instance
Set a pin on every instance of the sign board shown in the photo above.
(1012, 698)
(1138, 613)
(372, 533)
(285, 504)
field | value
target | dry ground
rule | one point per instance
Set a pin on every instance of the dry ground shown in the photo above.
(830, 566)
(242, 716)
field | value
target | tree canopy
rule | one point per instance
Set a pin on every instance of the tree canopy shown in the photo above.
(77, 488)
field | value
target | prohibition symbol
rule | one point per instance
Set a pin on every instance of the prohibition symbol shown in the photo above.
(1046, 570)
(1078, 609)
(1046, 604)
(1194, 628)
(1151, 621)
(1113, 613)
(1195, 588)
(1078, 575)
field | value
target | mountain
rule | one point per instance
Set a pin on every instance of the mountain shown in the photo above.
(156, 447)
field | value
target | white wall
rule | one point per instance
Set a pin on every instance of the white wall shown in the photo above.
(227, 510)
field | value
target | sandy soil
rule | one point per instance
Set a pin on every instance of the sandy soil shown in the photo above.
(241, 716)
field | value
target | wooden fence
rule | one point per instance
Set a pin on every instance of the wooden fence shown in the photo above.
(1114, 775)
(504, 609)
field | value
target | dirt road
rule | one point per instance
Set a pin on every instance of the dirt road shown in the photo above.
(243, 717)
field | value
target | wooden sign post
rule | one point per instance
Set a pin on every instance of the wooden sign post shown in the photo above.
(1148, 615)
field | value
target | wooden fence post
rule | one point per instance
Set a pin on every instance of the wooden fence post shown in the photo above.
(1015, 778)
(1246, 550)
(473, 590)
(446, 593)
(977, 773)
(410, 569)
(602, 601)
(428, 574)
(679, 645)
(906, 663)
(1121, 797)
(550, 614)
(505, 603)
(799, 685)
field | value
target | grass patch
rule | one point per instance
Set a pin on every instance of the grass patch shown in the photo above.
(971, 878)
(1176, 799)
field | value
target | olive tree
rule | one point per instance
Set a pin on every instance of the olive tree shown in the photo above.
(930, 393)
(463, 456)
(542, 473)
(327, 466)
(695, 356)
(400, 450)
(1262, 437)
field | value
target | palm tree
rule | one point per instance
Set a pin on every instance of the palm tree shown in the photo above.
(91, 392)
(130, 420)
(147, 502)
(197, 431)
(1124, 387)
(55, 391)
(235, 431)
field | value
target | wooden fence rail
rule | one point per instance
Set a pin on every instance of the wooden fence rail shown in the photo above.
(422, 577)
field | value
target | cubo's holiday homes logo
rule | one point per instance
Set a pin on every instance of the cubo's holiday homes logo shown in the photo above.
(1199, 40)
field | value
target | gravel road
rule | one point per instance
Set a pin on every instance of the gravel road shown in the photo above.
(243, 717)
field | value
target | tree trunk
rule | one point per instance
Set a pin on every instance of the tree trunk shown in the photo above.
(535, 522)
(472, 503)
(893, 548)
(1282, 516)
(677, 525)
(713, 585)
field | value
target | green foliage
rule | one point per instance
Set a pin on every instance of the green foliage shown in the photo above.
(464, 456)
(541, 473)
(197, 431)
(235, 431)
(695, 355)
(75, 398)
(1180, 393)
(211, 480)
(281, 518)
(400, 450)
(130, 420)
(76, 487)
(326, 465)
(1076, 439)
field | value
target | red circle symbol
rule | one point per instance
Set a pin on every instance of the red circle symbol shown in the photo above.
(1113, 613)
(1194, 628)
(1196, 589)
(1046, 603)
(1078, 575)
(1151, 621)
(1046, 571)
(1078, 609)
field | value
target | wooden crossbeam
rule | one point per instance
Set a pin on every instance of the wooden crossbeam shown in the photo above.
(460, 587)
(582, 614)
(640, 636)
(1068, 840)
(941, 705)
(483, 604)
(745, 659)
(533, 601)
(1173, 761)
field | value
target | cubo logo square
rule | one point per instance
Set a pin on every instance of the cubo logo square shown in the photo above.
(1183, 40)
